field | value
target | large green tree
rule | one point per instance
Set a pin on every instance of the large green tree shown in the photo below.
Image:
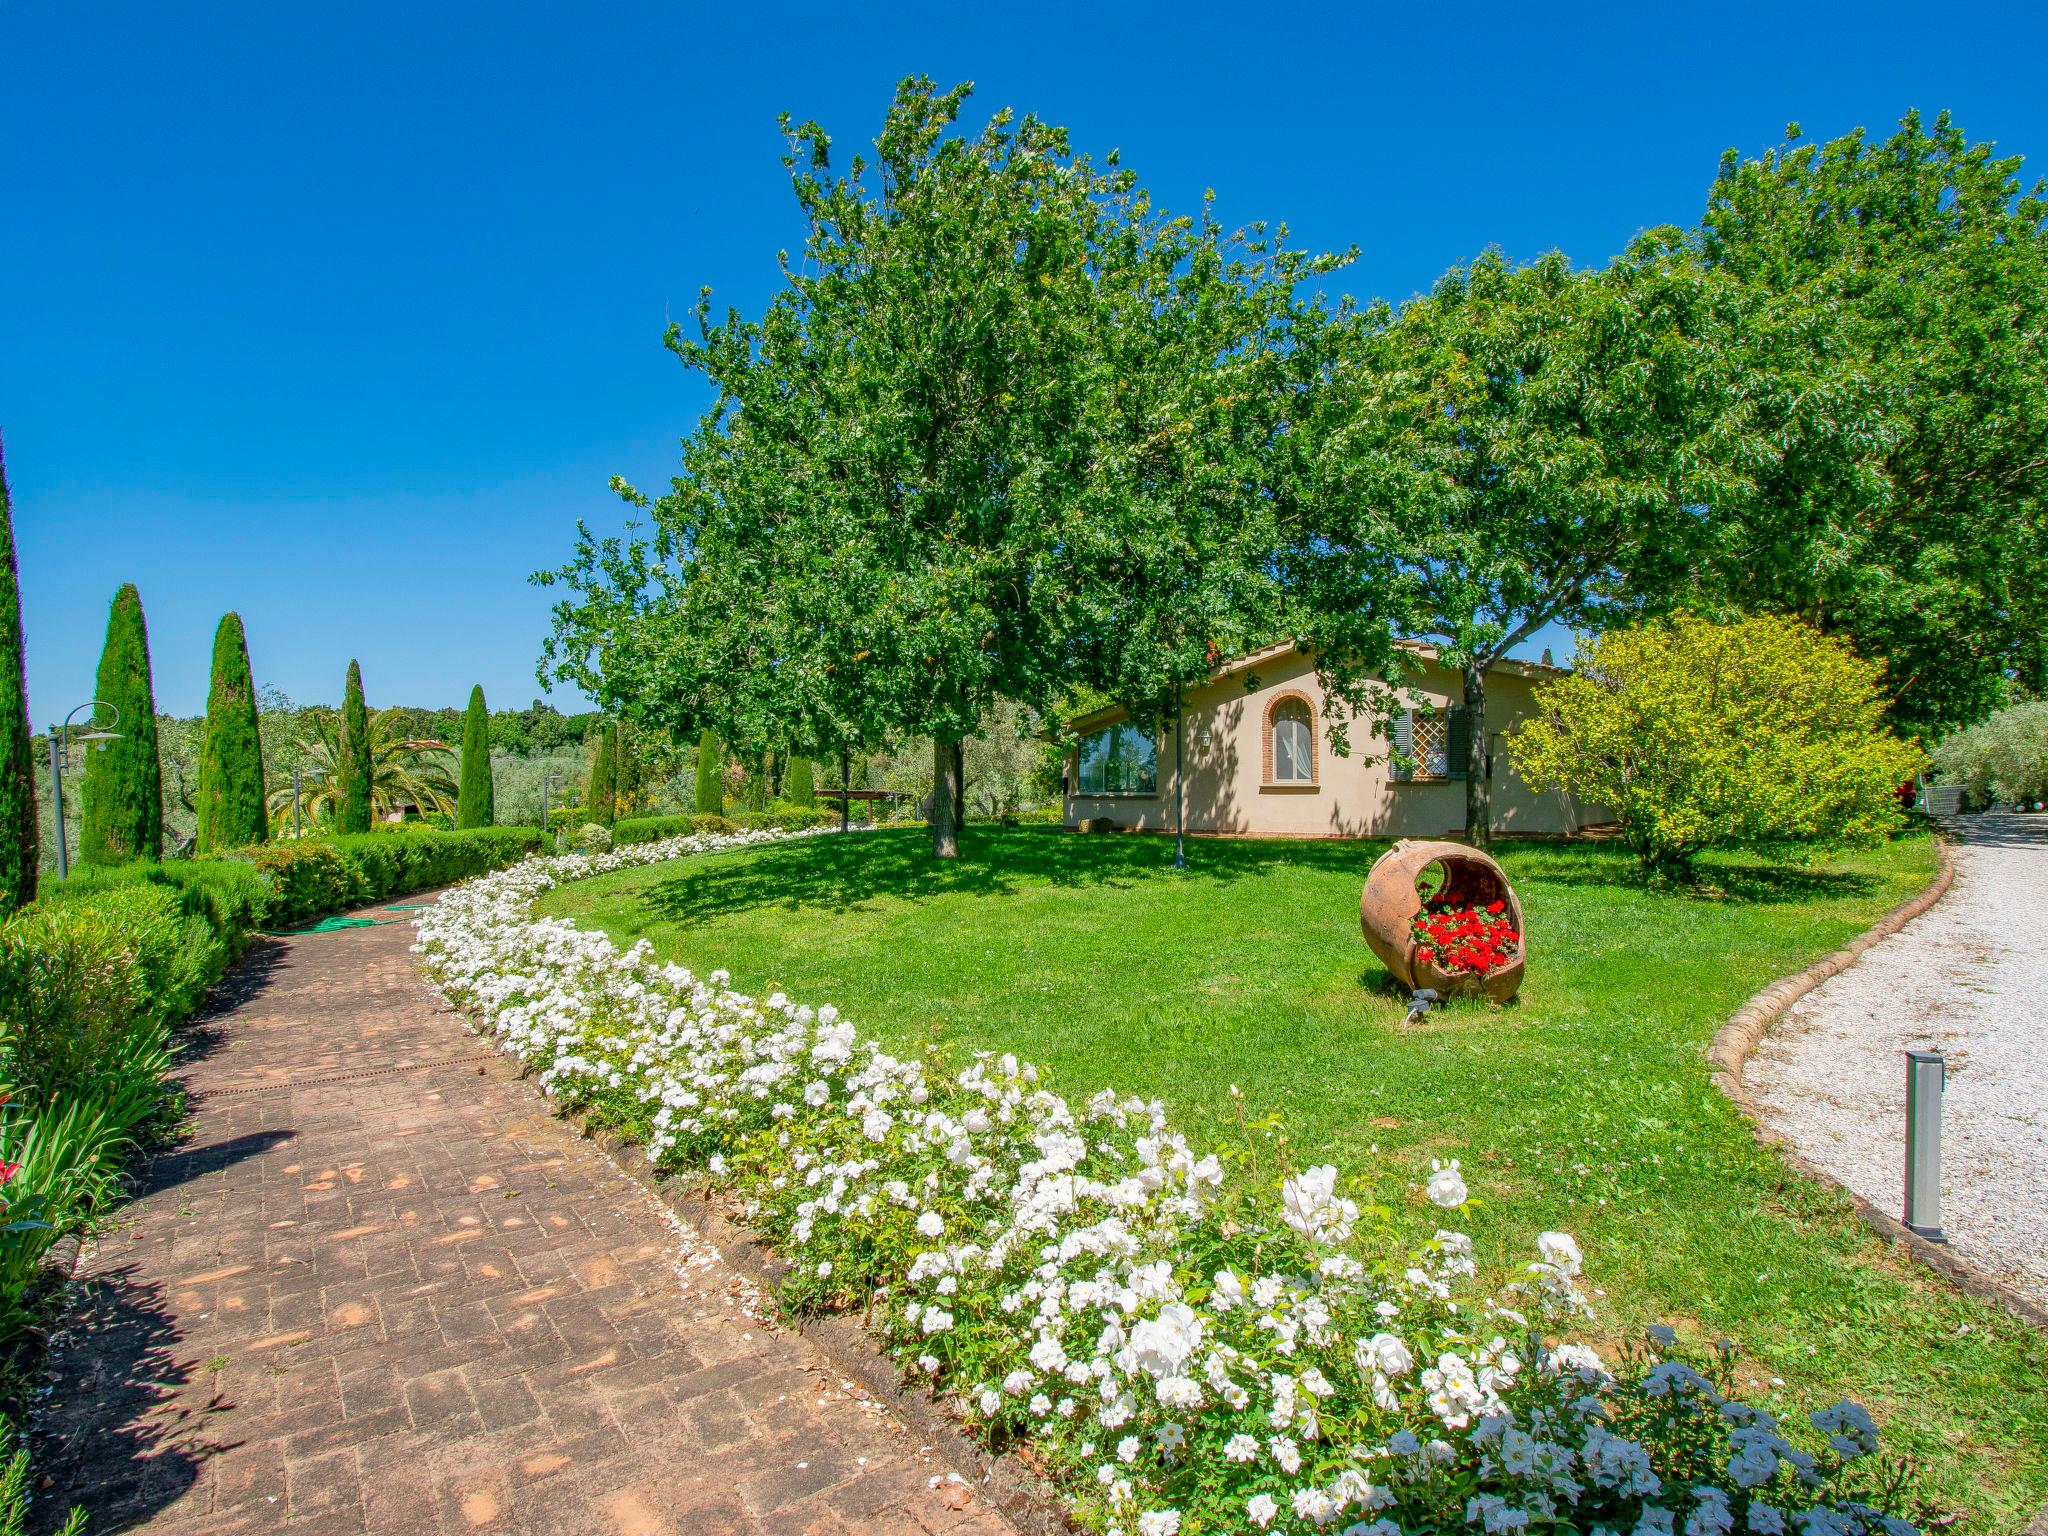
(123, 806)
(18, 852)
(1922, 261)
(1523, 446)
(230, 805)
(914, 487)
(356, 768)
(474, 807)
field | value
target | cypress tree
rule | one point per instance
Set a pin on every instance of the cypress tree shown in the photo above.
(710, 775)
(800, 784)
(124, 792)
(230, 799)
(475, 805)
(625, 770)
(18, 851)
(354, 768)
(602, 800)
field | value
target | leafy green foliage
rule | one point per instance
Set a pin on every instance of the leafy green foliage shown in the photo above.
(980, 439)
(123, 815)
(354, 770)
(1916, 271)
(230, 792)
(406, 773)
(600, 799)
(2004, 759)
(1523, 446)
(1760, 735)
(318, 875)
(474, 806)
(14, 1494)
(18, 853)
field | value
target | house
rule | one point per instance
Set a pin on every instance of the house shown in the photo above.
(1259, 761)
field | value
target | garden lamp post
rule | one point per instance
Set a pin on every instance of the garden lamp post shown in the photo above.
(299, 774)
(60, 741)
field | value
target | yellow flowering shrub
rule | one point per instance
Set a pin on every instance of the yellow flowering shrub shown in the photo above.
(1762, 734)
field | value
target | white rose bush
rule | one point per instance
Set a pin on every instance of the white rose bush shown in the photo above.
(1184, 1349)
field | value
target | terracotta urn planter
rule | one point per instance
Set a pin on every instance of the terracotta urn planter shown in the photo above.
(1465, 877)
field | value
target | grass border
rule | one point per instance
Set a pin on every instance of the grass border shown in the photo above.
(1737, 1040)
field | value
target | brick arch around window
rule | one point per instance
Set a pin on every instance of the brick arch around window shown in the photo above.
(1273, 708)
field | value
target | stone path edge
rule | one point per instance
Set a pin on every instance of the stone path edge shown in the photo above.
(1023, 1498)
(1737, 1040)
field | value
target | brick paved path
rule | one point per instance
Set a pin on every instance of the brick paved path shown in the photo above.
(380, 1288)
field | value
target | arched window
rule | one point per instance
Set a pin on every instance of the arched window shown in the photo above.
(1292, 741)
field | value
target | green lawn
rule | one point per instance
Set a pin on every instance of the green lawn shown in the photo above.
(1584, 1105)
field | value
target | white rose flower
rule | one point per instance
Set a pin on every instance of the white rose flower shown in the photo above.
(1446, 1185)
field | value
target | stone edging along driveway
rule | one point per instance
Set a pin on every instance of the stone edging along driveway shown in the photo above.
(1737, 1039)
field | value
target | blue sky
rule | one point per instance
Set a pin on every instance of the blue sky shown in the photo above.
(342, 315)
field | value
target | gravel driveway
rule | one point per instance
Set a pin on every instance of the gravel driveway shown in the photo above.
(1968, 978)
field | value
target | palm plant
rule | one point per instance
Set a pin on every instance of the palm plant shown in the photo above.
(405, 771)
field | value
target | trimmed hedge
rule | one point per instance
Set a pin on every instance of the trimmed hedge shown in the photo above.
(780, 818)
(318, 875)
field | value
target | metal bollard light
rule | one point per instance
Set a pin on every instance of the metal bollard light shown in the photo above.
(1926, 1072)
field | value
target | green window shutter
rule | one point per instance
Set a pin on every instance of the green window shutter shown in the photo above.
(1399, 769)
(1459, 748)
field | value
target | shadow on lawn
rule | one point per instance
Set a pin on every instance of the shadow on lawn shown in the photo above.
(1532, 866)
(839, 874)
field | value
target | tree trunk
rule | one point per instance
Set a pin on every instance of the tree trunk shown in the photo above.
(1180, 799)
(1478, 786)
(845, 785)
(945, 799)
(960, 783)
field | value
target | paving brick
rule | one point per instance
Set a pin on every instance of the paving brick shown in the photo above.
(415, 1303)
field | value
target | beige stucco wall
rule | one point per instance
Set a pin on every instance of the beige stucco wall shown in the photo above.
(1223, 727)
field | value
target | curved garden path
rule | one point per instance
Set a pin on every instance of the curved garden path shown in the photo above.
(1969, 978)
(379, 1287)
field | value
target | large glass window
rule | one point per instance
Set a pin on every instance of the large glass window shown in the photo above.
(1294, 759)
(1121, 760)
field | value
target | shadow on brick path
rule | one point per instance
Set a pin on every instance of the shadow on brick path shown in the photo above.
(377, 1287)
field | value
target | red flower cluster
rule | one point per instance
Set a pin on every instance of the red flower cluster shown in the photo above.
(1462, 939)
